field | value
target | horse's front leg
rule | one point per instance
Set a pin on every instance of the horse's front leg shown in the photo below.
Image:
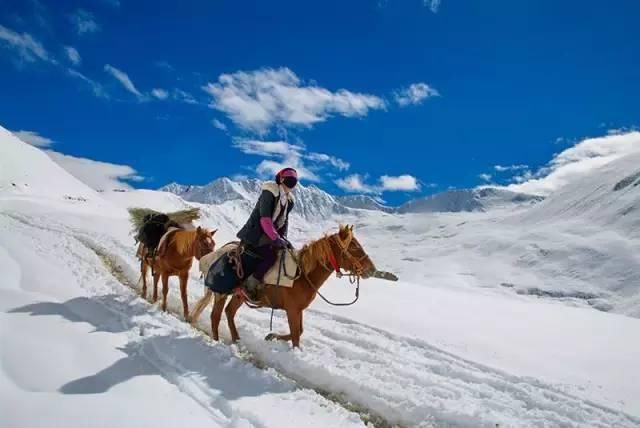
(165, 290)
(294, 318)
(216, 313)
(184, 277)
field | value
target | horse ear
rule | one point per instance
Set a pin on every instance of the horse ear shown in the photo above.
(199, 230)
(213, 232)
(351, 228)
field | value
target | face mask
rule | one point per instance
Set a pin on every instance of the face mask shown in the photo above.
(290, 182)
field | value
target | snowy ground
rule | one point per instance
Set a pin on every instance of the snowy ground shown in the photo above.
(445, 346)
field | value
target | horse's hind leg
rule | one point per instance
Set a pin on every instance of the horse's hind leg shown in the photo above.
(156, 278)
(143, 276)
(230, 312)
(184, 277)
(216, 313)
(202, 303)
(165, 290)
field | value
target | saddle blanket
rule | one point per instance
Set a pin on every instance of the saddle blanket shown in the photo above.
(271, 278)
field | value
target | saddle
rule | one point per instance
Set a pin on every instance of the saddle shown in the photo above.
(219, 265)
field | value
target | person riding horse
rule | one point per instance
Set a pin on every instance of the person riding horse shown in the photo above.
(265, 232)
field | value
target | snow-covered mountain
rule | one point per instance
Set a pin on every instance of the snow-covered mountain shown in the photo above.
(468, 200)
(363, 202)
(314, 203)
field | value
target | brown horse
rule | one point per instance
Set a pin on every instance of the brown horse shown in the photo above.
(318, 260)
(174, 258)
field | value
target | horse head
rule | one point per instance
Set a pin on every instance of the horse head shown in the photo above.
(350, 253)
(204, 242)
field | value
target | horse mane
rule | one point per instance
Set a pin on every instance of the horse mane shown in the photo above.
(184, 241)
(318, 251)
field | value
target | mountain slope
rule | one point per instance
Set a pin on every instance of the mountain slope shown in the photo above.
(469, 200)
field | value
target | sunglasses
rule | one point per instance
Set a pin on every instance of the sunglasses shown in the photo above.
(290, 182)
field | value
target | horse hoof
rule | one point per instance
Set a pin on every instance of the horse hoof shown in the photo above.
(270, 336)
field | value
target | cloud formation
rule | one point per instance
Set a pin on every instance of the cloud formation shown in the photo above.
(414, 94)
(95, 174)
(73, 55)
(576, 162)
(83, 22)
(258, 100)
(356, 183)
(33, 138)
(124, 80)
(28, 48)
(282, 154)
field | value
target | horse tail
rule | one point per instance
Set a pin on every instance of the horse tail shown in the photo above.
(201, 305)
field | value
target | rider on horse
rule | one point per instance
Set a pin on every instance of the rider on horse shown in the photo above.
(265, 232)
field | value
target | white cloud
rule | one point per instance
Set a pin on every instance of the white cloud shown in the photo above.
(221, 126)
(355, 183)
(160, 94)
(97, 88)
(33, 138)
(404, 182)
(414, 94)
(503, 168)
(185, 97)
(485, 177)
(260, 99)
(73, 55)
(577, 162)
(83, 22)
(124, 79)
(434, 5)
(97, 175)
(337, 163)
(283, 154)
(266, 148)
(28, 48)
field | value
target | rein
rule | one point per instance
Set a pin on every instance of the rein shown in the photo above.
(354, 275)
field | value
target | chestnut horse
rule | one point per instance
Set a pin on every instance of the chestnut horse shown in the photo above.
(175, 258)
(317, 261)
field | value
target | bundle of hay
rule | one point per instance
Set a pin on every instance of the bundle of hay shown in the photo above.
(137, 215)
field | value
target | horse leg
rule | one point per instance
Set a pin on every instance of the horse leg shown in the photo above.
(184, 277)
(216, 313)
(294, 316)
(143, 275)
(156, 278)
(165, 290)
(202, 303)
(230, 312)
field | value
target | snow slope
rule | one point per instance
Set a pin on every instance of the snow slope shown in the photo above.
(442, 347)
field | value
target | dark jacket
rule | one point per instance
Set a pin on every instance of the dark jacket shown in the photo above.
(252, 232)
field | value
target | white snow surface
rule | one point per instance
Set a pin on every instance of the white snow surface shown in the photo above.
(451, 344)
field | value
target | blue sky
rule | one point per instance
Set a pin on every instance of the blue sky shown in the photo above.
(394, 98)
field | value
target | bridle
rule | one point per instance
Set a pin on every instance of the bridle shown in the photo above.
(357, 270)
(354, 274)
